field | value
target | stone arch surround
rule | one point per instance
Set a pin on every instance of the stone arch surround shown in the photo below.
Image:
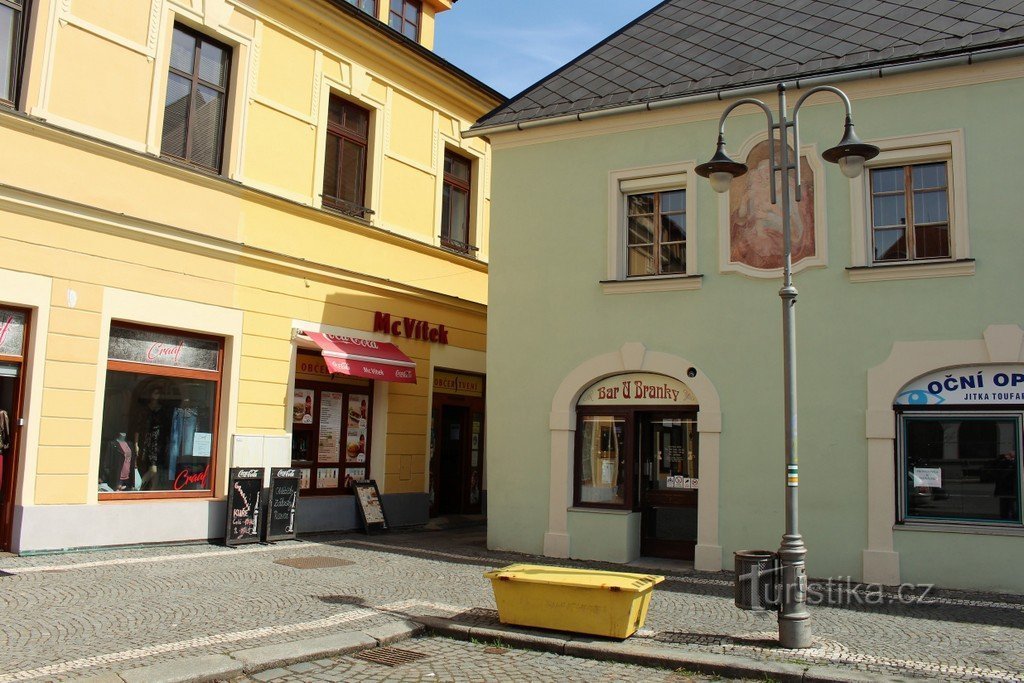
(634, 357)
(908, 361)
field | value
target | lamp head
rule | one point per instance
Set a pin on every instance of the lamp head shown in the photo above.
(721, 169)
(850, 153)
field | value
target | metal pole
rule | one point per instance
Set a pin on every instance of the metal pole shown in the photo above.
(794, 619)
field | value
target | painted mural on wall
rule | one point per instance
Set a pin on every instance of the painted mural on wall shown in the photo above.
(755, 224)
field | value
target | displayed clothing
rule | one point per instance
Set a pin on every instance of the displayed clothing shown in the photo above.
(183, 432)
(151, 434)
(116, 466)
(5, 431)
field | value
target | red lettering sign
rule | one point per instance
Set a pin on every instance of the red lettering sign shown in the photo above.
(410, 328)
(159, 350)
(188, 478)
(5, 329)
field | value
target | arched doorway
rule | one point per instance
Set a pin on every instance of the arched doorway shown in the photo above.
(697, 408)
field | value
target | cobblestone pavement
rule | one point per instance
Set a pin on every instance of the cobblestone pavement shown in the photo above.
(82, 613)
(451, 660)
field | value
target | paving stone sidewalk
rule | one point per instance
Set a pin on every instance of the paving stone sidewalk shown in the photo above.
(450, 660)
(68, 615)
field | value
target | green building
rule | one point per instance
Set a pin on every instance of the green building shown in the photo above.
(635, 348)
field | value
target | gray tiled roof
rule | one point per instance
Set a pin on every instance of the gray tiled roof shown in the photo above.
(684, 47)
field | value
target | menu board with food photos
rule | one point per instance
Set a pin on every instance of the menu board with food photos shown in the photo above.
(370, 506)
(358, 427)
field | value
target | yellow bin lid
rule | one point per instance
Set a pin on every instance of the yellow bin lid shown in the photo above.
(577, 578)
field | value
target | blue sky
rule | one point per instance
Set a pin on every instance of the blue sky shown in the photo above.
(511, 44)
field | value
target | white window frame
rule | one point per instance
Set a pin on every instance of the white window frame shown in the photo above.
(904, 521)
(947, 146)
(659, 178)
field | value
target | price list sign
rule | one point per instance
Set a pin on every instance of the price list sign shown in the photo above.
(245, 505)
(284, 497)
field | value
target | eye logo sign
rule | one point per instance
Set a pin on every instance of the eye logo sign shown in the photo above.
(969, 385)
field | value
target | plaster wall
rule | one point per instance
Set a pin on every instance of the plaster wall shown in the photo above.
(550, 211)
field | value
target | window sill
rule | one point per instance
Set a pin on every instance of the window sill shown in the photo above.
(654, 283)
(603, 511)
(975, 529)
(911, 270)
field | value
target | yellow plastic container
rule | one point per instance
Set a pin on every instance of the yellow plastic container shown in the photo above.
(612, 604)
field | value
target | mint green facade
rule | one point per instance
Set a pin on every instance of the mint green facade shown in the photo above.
(548, 315)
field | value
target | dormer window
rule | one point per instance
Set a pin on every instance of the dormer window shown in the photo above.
(404, 17)
(368, 6)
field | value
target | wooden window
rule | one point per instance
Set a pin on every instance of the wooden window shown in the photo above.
(161, 411)
(404, 17)
(910, 212)
(196, 103)
(348, 130)
(656, 233)
(368, 6)
(455, 203)
(13, 22)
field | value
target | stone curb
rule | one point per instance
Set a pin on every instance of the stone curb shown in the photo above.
(663, 657)
(255, 659)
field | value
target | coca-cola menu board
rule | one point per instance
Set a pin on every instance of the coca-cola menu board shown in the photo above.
(284, 497)
(245, 505)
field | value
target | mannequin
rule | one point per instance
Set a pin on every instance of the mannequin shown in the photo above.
(149, 440)
(117, 466)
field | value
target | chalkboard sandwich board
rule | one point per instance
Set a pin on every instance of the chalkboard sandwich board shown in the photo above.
(245, 505)
(370, 506)
(284, 496)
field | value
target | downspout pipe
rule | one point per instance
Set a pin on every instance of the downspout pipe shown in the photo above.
(964, 59)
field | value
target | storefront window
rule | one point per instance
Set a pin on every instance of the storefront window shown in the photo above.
(601, 447)
(330, 429)
(159, 413)
(962, 467)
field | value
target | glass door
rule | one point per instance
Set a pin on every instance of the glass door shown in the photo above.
(10, 396)
(668, 483)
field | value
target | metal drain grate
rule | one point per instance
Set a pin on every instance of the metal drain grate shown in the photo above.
(390, 656)
(314, 562)
(496, 650)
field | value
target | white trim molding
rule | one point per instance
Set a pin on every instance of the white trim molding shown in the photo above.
(808, 153)
(658, 178)
(945, 145)
(634, 357)
(908, 361)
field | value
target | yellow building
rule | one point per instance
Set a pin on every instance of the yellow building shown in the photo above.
(235, 233)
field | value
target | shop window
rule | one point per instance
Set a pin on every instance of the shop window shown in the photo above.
(160, 413)
(195, 107)
(910, 211)
(368, 6)
(455, 203)
(348, 135)
(13, 24)
(404, 17)
(603, 466)
(961, 468)
(330, 430)
(649, 245)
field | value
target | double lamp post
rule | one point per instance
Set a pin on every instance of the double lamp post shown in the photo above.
(850, 154)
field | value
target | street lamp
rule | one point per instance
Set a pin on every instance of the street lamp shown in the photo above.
(850, 154)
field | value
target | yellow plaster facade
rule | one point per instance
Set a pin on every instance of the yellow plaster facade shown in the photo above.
(96, 226)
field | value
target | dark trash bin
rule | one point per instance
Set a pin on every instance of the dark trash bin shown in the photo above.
(757, 578)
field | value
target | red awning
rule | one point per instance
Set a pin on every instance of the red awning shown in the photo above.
(364, 358)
